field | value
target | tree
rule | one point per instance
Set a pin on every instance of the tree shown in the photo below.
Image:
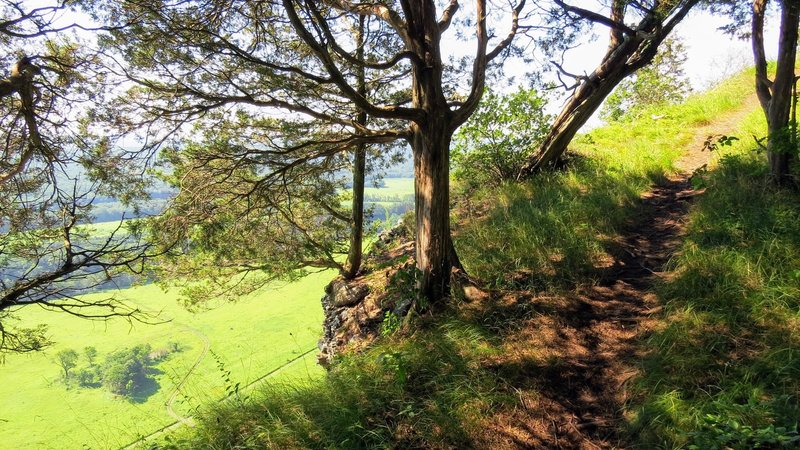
(630, 48)
(776, 95)
(49, 174)
(495, 142)
(195, 59)
(126, 371)
(67, 359)
(354, 255)
(661, 82)
(90, 353)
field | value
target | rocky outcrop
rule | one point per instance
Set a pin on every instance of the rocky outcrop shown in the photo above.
(341, 293)
(348, 317)
(355, 309)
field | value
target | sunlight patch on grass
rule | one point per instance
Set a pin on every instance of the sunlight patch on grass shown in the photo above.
(728, 351)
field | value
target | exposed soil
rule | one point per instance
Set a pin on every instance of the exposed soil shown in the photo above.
(570, 358)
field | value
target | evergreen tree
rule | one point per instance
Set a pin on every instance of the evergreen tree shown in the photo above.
(272, 87)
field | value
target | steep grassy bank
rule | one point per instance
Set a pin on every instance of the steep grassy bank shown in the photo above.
(724, 369)
(553, 231)
(439, 384)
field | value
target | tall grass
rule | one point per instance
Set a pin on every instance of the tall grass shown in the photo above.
(724, 372)
(423, 392)
(552, 231)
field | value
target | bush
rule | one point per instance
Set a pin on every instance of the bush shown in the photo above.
(89, 377)
(126, 371)
(495, 142)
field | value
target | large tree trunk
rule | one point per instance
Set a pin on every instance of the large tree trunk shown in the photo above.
(434, 252)
(776, 96)
(430, 143)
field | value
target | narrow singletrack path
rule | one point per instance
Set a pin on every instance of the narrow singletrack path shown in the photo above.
(573, 357)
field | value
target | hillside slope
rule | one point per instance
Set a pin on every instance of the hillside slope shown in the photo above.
(605, 319)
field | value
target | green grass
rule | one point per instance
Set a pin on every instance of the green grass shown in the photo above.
(552, 231)
(250, 337)
(392, 188)
(437, 387)
(724, 372)
(405, 393)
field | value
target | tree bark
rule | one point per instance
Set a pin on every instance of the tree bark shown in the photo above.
(434, 250)
(355, 253)
(430, 143)
(21, 82)
(775, 95)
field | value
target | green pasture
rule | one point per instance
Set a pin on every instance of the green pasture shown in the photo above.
(250, 338)
(392, 187)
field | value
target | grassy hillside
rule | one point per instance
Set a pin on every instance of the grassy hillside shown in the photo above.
(721, 362)
(723, 371)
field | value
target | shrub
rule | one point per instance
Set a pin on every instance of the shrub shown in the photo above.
(495, 142)
(125, 371)
(89, 377)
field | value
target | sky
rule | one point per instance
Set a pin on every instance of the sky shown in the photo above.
(712, 55)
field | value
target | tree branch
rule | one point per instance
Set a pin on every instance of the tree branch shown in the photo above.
(338, 78)
(596, 17)
(447, 16)
(482, 58)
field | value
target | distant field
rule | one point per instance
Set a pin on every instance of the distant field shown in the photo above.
(390, 201)
(250, 337)
(392, 186)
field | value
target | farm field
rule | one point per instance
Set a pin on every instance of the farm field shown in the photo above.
(391, 200)
(249, 338)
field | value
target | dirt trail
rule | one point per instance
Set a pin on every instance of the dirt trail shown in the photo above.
(570, 362)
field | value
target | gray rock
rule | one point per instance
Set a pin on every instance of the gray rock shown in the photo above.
(345, 294)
